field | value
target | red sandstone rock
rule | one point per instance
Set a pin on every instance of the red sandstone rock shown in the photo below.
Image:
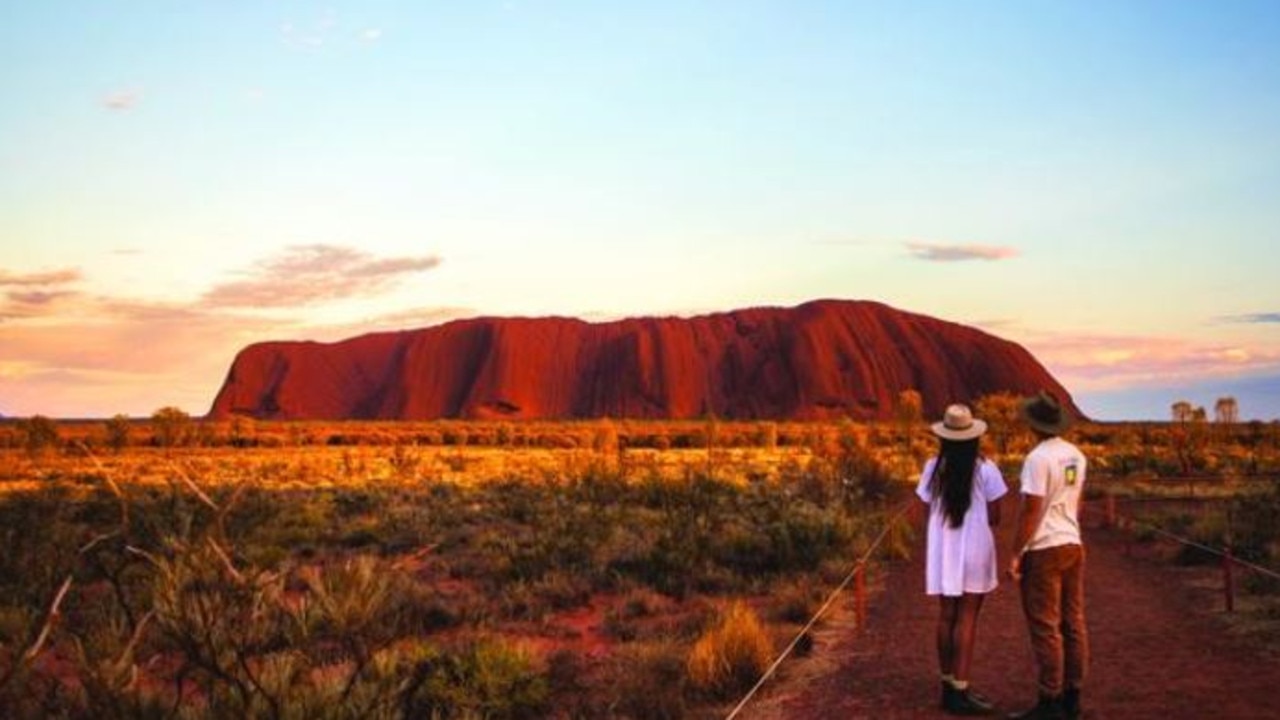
(823, 359)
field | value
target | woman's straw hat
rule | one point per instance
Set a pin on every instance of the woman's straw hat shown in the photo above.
(958, 423)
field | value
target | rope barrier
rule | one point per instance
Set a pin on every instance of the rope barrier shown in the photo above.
(857, 567)
(1222, 553)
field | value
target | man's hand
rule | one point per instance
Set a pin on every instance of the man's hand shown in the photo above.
(1015, 568)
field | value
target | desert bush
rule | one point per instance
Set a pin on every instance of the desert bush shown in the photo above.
(796, 601)
(117, 431)
(39, 434)
(485, 678)
(1255, 526)
(171, 427)
(732, 655)
(650, 681)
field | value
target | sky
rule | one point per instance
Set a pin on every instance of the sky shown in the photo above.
(1098, 181)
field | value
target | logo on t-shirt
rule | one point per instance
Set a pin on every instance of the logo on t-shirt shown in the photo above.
(1072, 474)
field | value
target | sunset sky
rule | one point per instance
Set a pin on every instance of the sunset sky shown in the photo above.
(1099, 181)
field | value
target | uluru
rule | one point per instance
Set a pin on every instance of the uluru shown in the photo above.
(822, 359)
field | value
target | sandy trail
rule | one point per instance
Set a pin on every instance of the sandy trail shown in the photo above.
(1158, 650)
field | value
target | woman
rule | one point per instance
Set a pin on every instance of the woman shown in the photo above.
(961, 488)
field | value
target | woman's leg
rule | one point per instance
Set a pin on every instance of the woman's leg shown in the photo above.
(948, 612)
(966, 627)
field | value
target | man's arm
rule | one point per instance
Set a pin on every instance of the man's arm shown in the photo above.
(1029, 512)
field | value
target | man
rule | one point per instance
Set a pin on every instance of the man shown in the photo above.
(1048, 560)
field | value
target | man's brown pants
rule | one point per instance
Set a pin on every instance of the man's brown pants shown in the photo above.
(1053, 601)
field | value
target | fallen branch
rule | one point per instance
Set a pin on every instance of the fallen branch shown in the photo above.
(50, 618)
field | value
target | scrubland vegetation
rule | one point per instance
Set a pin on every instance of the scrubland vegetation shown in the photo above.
(201, 574)
(175, 568)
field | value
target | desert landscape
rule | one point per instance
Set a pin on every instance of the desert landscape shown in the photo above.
(525, 359)
(192, 567)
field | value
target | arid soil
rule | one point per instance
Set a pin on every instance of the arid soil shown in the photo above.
(1160, 650)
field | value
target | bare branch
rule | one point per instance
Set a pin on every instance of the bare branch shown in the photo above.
(94, 542)
(49, 621)
(186, 480)
(226, 560)
(133, 644)
(111, 484)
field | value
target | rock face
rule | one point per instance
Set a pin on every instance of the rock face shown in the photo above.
(823, 359)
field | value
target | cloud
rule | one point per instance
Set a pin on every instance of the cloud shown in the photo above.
(39, 297)
(121, 100)
(309, 35)
(936, 252)
(1104, 362)
(371, 35)
(121, 355)
(311, 274)
(55, 277)
(36, 296)
(1252, 318)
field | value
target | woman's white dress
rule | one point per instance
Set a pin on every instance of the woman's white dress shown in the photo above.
(962, 560)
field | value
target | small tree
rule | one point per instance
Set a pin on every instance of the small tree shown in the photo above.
(1182, 411)
(1226, 410)
(39, 434)
(242, 431)
(170, 426)
(1000, 410)
(118, 429)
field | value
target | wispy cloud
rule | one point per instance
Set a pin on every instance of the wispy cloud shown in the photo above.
(938, 252)
(70, 353)
(35, 295)
(309, 35)
(371, 35)
(54, 277)
(39, 297)
(1101, 362)
(311, 274)
(1266, 318)
(121, 100)
(111, 355)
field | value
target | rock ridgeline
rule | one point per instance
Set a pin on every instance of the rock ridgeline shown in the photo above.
(823, 359)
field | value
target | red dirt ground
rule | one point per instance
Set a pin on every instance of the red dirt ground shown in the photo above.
(1160, 650)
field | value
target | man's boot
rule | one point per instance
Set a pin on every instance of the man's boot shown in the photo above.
(1048, 707)
(1071, 708)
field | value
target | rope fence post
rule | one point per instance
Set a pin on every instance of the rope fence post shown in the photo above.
(860, 595)
(1228, 581)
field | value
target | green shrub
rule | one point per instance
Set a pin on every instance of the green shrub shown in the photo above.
(486, 678)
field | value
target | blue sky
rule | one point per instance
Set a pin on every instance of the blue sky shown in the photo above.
(1097, 181)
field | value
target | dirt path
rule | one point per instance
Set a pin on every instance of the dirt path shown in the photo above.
(1158, 651)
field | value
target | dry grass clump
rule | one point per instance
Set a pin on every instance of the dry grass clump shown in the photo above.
(731, 656)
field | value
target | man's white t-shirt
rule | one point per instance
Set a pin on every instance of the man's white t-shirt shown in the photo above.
(1055, 471)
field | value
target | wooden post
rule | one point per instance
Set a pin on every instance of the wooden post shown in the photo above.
(1228, 582)
(1111, 510)
(860, 594)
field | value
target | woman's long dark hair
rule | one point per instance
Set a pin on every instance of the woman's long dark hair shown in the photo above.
(952, 481)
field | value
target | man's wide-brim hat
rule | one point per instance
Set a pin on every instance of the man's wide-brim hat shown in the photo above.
(958, 423)
(1043, 412)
